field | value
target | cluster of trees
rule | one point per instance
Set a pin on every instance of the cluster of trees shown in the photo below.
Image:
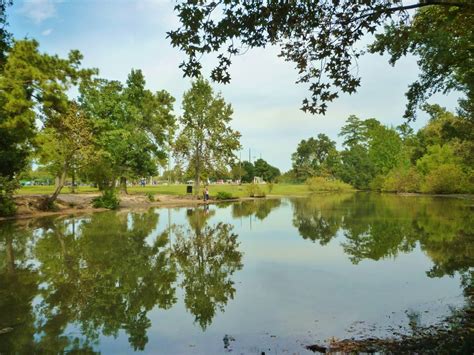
(246, 171)
(111, 133)
(439, 158)
(321, 38)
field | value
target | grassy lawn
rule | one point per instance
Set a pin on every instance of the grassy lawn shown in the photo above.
(46, 190)
(235, 190)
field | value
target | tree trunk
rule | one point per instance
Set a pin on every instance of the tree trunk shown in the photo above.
(59, 185)
(73, 187)
(197, 171)
(123, 185)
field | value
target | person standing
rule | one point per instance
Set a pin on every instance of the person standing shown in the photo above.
(206, 194)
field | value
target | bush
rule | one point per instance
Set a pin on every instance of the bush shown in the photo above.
(270, 187)
(377, 183)
(223, 195)
(108, 200)
(7, 206)
(254, 190)
(319, 183)
(150, 197)
(446, 179)
(402, 180)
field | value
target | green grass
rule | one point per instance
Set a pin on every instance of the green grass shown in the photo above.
(46, 190)
(234, 190)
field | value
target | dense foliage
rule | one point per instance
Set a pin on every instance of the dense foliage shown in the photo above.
(33, 87)
(437, 159)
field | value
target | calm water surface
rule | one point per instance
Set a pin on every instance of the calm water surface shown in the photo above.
(266, 275)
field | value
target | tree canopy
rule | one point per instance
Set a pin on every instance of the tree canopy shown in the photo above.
(131, 127)
(33, 86)
(322, 39)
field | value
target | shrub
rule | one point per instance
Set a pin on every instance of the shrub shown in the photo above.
(445, 179)
(108, 200)
(223, 195)
(402, 180)
(150, 197)
(270, 187)
(7, 206)
(254, 190)
(377, 183)
(319, 183)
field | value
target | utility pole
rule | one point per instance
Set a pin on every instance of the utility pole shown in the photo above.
(169, 156)
(240, 167)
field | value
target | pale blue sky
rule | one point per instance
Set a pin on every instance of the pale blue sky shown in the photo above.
(118, 35)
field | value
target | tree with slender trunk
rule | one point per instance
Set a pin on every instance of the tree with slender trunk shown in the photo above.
(65, 143)
(206, 140)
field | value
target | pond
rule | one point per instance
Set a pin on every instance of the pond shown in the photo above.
(265, 276)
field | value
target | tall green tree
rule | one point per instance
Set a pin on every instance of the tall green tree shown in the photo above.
(66, 143)
(5, 36)
(322, 39)
(385, 148)
(356, 167)
(131, 128)
(371, 149)
(248, 171)
(206, 140)
(32, 85)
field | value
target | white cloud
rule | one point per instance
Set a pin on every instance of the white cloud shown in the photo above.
(47, 32)
(39, 10)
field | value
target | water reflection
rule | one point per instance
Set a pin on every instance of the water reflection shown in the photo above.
(103, 275)
(382, 226)
(377, 227)
(258, 208)
(18, 287)
(65, 282)
(207, 257)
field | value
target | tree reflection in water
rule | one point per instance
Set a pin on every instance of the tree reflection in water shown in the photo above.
(382, 226)
(66, 281)
(103, 274)
(207, 258)
(99, 274)
(259, 208)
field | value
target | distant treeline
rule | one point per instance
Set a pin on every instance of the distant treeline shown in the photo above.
(439, 158)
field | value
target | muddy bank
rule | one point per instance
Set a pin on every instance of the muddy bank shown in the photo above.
(28, 205)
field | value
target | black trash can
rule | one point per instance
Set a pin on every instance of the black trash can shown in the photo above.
(189, 189)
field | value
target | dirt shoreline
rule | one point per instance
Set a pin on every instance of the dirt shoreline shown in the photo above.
(77, 204)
